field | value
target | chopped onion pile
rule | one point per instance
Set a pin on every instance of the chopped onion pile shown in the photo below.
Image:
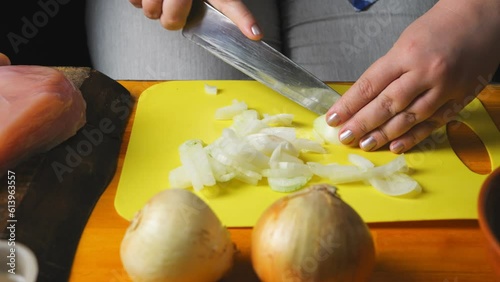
(249, 150)
(253, 148)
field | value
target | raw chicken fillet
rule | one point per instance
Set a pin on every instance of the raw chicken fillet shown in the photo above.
(39, 109)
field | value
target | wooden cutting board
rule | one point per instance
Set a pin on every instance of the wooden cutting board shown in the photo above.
(56, 191)
(170, 113)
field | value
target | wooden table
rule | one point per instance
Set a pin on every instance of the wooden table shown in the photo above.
(440, 251)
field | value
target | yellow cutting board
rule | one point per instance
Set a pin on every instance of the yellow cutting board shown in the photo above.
(170, 113)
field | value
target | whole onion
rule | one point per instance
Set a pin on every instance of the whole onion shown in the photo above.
(312, 235)
(176, 237)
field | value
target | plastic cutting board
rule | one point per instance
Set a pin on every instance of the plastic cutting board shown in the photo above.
(170, 113)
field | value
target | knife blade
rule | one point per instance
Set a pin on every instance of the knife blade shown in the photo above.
(213, 31)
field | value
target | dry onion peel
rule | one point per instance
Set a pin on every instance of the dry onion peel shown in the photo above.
(176, 237)
(312, 235)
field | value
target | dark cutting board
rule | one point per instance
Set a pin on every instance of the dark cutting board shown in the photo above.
(57, 190)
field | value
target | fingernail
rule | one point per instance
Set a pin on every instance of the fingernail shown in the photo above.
(256, 30)
(346, 137)
(397, 147)
(333, 119)
(368, 144)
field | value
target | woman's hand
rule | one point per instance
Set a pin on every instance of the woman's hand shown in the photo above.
(173, 14)
(437, 66)
(4, 60)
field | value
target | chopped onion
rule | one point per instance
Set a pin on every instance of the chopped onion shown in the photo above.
(247, 122)
(179, 177)
(307, 145)
(287, 133)
(266, 143)
(210, 89)
(195, 162)
(345, 173)
(360, 161)
(312, 235)
(284, 153)
(228, 112)
(278, 119)
(395, 184)
(222, 173)
(328, 133)
(287, 184)
(176, 237)
(253, 148)
(287, 169)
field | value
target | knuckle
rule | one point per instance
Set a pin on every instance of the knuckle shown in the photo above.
(151, 14)
(412, 138)
(347, 108)
(365, 88)
(383, 136)
(360, 126)
(422, 131)
(387, 104)
(439, 66)
(449, 115)
(426, 108)
(433, 124)
(409, 117)
(152, 8)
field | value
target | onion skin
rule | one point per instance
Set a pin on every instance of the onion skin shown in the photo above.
(312, 235)
(176, 237)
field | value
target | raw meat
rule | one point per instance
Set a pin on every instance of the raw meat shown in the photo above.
(39, 109)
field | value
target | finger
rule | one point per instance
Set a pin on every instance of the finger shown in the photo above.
(422, 108)
(152, 8)
(422, 130)
(375, 79)
(393, 99)
(136, 3)
(175, 13)
(238, 13)
(4, 60)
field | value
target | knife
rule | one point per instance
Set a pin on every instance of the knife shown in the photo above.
(213, 31)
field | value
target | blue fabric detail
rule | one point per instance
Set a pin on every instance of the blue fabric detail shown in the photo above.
(360, 5)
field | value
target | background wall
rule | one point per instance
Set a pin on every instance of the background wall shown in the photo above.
(44, 32)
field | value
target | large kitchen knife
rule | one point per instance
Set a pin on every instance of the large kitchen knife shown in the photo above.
(213, 31)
